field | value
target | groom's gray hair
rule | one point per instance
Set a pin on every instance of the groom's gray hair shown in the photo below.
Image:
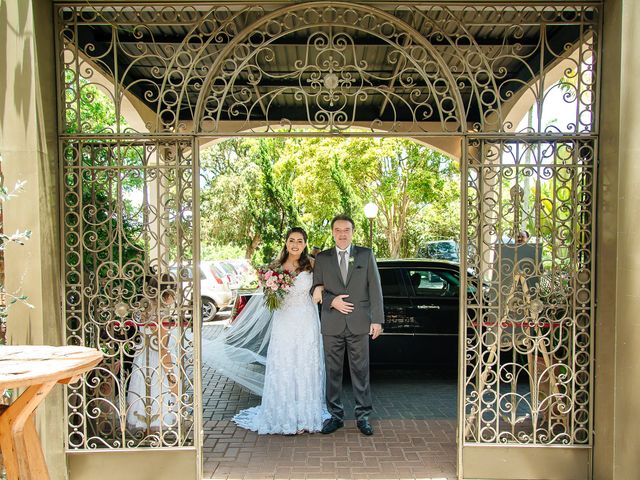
(346, 218)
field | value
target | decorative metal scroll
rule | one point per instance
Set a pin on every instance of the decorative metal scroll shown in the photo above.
(333, 66)
(530, 297)
(321, 68)
(128, 259)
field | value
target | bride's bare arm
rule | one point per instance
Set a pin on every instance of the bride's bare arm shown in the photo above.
(317, 294)
(317, 290)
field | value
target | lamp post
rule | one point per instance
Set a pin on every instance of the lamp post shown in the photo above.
(370, 211)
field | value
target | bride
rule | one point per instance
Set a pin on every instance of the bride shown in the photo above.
(293, 393)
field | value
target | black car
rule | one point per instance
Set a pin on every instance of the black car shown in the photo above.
(421, 303)
(421, 312)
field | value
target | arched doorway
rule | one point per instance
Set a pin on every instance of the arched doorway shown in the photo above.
(350, 69)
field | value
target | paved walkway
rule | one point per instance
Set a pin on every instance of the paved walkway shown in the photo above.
(414, 437)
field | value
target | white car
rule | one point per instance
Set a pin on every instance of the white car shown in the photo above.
(248, 275)
(215, 292)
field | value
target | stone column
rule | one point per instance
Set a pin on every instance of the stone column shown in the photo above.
(627, 360)
(617, 383)
(29, 148)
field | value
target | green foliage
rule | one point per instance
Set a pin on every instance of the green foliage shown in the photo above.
(400, 176)
(97, 112)
(221, 252)
(340, 178)
(108, 238)
(271, 203)
(247, 197)
(112, 236)
(18, 237)
(227, 175)
(256, 189)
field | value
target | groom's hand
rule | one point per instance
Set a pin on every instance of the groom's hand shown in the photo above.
(375, 330)
(343, 307)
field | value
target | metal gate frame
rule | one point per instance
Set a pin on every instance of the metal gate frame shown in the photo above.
(569, 459)
(556, 318)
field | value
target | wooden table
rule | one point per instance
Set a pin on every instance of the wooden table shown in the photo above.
(38, 368)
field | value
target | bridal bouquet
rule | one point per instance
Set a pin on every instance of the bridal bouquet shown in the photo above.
(275, 283)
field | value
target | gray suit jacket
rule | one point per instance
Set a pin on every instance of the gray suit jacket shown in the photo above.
(362, 286)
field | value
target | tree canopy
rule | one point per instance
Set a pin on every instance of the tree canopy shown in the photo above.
(253, 190)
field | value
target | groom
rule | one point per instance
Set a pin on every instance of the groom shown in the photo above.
(352, 311)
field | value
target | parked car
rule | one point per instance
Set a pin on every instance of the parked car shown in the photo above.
(248, 274)
(215, 292)
(218, 271)
(235, 279)
(421, 304)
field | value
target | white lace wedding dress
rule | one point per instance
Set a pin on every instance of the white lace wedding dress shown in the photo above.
(293, 395)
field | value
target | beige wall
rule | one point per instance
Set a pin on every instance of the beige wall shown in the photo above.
(627, 378)
(617, 436)
(28, 146)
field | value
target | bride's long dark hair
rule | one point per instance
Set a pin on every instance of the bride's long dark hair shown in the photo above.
(304, 264)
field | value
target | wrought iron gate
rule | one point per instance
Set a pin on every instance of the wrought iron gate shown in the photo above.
(528, 342)
(546, 317)
(129, 256)
(421, 70)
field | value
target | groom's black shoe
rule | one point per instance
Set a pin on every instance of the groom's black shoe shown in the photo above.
(364, 427)
(331, 425)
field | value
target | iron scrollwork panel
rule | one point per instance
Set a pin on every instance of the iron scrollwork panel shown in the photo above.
(331, 66)
(442, 67)
(128, 264)
(529, 308)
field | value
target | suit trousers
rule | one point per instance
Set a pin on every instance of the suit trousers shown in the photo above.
(357, 348)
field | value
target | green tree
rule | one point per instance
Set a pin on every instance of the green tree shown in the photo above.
(255, 189)
(227, 176)
(348, 198)
(402, 177)
(323, 187)
(113, 232)
(272, 204)
(247, 201)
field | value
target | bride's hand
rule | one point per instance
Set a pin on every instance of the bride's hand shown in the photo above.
(317, 294)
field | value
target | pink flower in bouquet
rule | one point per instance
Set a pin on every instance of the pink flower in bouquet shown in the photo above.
(275, 283)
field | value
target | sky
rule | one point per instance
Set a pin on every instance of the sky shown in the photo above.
(556, 110)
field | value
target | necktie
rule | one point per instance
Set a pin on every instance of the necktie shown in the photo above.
(343, 266)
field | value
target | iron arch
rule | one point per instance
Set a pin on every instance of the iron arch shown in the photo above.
(333, 92)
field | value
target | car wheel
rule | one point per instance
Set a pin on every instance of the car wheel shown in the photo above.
(209, 309)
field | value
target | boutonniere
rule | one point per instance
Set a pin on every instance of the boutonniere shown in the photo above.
(351, 260)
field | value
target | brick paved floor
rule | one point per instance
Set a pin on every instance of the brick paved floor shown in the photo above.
(414, 420)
